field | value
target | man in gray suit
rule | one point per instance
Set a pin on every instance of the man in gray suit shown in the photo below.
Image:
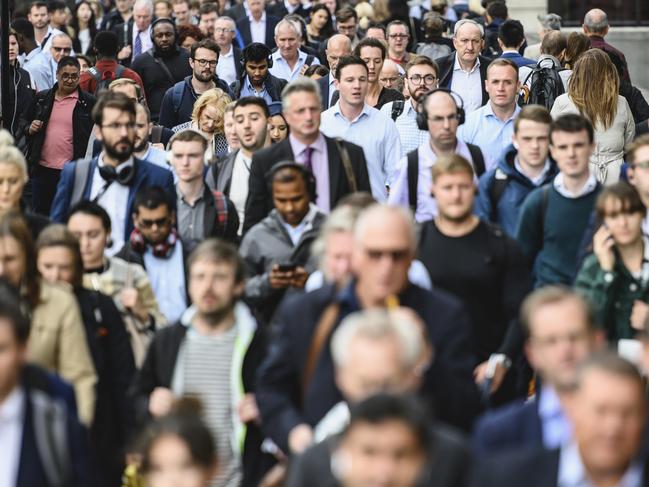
(231, 174)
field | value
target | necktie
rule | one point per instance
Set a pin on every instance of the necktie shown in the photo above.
(308, 164)
(137, 48)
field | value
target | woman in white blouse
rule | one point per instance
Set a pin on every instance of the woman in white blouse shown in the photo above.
(84, 26)
(593, 92)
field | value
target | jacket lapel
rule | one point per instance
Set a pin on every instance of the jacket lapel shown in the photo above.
(209, 217)
(225, 173)
(244, 30)
(91, 174)
(335, 166)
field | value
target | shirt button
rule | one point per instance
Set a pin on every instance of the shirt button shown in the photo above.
(633, 287)
(608, 277)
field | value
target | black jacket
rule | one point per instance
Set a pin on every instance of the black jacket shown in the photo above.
(282, 402)
(124, 32)
(21, 93)
(259, 201)
(156, 79)
(113, 19)
(243, 29)
(324, 92)
(448, 462)
(112, 357)
(446, 64)
(158, 369)
(531, 468)
(40, 108)
(272, 84)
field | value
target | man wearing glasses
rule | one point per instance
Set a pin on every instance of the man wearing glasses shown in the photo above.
(58, 125)
(43, 66)
(114, 177)
(421, 77)
(178, 101)
(229, 66)
(398, 37)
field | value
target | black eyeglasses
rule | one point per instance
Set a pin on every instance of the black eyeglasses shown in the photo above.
(66, 50)
(160, 222)
(398, 36)
(205, 62)
(70, 77)
(416, 79)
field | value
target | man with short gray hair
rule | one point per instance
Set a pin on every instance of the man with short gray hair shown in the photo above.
(135, 35)
(338, 46)
(596, 27)
(465, 70)
(289, 61)
(548, 23)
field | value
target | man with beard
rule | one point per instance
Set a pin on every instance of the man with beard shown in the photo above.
(442, 113)
(481, 265)
(202, 213)
(216, 347)
(162, 66)
(142, 148)
(232, 174)
(421, 77)
(154, 244)
(178, 102)
(57, 125)
(256, 80)
(113, 178)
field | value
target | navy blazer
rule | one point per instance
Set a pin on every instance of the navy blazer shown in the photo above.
(324, 91)
(146, 174)
(511, 427)
(245, 37)
(446, 64)
(528, 467)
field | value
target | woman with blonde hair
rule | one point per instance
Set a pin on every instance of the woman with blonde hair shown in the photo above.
(593, 93)
(208, 118)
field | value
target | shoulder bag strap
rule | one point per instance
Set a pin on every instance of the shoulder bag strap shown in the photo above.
(163, 66)
(320, 335)
(81, 170)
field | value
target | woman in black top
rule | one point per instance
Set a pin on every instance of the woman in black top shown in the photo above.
(59, 261)
(374, 53)
(85, 28)
(320, 26)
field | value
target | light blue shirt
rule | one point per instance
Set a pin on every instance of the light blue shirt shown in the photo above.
(167, 276)
(42, 69)
(248, 90)
(399, 193)
(572, 472)
(410, 135)
(281, 69)
(376, 134)
(487, 131)
(555, 427)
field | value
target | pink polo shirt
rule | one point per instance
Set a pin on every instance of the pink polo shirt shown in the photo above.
(57, 147)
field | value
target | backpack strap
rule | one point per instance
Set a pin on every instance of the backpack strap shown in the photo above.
(545, 201)
(413, 178)
(496, 191)
(119, 72)
(177, 95)
(221, 205)
(397, 109)
(477, 158)
(156, 134)
(309, 60)
(94, 72)
(81, 171)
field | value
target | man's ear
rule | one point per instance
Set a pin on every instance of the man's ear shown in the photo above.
(97, 130)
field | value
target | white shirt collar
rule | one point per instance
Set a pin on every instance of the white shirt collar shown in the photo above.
(589, 186)
(130, 162)
(457, 67)
(12, 409)
(230, 53)
(538, 179)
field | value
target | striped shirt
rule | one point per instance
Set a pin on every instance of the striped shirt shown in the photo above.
(207, 362)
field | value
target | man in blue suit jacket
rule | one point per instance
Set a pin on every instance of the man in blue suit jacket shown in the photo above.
(561, 334)
(114, 177)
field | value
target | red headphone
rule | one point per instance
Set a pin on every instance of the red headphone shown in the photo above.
(162, 250)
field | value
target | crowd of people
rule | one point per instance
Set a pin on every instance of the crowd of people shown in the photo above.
(321, 243)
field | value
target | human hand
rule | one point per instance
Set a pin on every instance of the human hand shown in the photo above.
(161, 401)
(603, 244)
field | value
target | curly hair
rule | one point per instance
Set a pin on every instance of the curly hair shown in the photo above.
(595, 68)
(215, 97)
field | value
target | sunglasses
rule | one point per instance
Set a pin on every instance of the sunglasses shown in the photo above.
(160, 222)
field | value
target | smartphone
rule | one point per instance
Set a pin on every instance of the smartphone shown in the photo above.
(286, 267)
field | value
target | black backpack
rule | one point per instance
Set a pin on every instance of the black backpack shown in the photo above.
(102, 84)
(544, 87)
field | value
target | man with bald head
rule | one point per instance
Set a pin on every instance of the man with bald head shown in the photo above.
(338, 46)
(390, 76)
(596, 27)
(465, 70)
(296, 383)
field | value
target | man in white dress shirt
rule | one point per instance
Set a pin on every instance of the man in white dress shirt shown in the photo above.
(289, 62)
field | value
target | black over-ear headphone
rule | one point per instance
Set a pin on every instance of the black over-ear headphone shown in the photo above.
(422, 114)
(246, 53)
(306, 174)
(168, 21)
(123, 175)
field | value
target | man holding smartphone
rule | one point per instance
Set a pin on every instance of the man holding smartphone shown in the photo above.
(276, 250)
